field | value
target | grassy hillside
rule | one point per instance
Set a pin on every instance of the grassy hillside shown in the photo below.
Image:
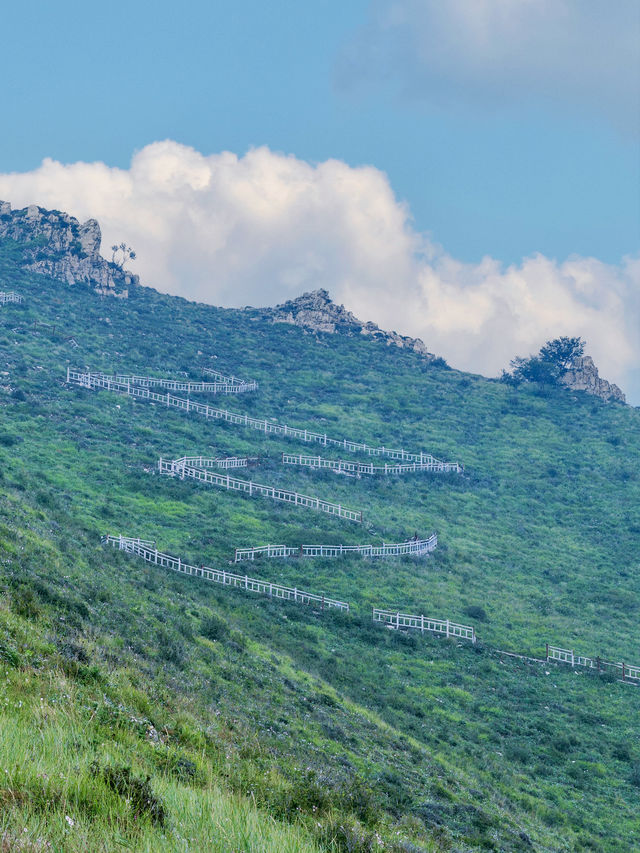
(161, 712)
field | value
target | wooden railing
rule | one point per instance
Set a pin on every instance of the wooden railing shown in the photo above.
(424, 623)
(268, 427)
(183, 468)
(416, 547)
(346, 467)
(629, 672)
(9, 296)
(148, 551)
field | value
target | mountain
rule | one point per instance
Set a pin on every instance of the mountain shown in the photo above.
(151, 710)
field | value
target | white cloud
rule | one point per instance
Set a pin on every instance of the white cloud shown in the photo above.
(581, 54)
(265, 227)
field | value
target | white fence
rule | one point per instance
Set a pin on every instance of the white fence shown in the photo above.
(182, 468)
(628, 671)
(416, 547)
(9, 296)
(148, 551)
(344, 466)
(229, 380)
(125, 382)
(268, 427)
(217, 462)
(424, 623)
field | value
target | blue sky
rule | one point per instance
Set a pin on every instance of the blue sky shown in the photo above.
(97, 82)
(467, 171)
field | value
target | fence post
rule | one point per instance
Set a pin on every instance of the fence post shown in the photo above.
(295, 593)
(572, 658)
(227, 479)
(397, 621)
(447, 627)
(623, 670)
(598, 662)
(422, 623)
(547, 650)
(179, 565)
(323, 602)
(224, 577)
(246, 582)
(156, 559)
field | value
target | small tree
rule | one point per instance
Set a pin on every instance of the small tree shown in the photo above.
(546, 368)
(122, 254)
(562, 352)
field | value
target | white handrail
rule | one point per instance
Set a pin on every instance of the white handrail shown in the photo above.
(9, 296)
(185, 468)
(347, 467)
(630, 672)
(148, 551)
(396, 620)
(415, 547)
(268, 427)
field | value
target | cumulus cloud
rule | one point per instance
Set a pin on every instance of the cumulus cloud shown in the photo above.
(583, 55)
(262, 228)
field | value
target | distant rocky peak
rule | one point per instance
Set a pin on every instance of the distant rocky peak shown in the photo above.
(583, 376)
(317, 312)
(59, 246)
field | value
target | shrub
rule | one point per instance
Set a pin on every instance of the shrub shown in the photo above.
(213, 627)
(476, 612)
(136, 790)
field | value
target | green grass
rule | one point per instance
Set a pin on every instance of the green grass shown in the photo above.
(307, 728)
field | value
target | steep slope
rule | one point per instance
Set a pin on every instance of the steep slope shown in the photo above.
(325, 720)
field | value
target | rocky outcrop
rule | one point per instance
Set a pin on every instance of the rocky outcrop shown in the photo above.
(57, 245)
(316, 311)
(583, 376)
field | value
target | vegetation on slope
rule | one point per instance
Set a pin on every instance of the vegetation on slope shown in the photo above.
(237, 707)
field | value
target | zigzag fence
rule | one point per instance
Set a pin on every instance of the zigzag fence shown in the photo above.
(148, 551)
(343, 466)
(392, 619)
(628, 672)
(421, 623)
(416, 547)
(98, 380)
(229, 380)
(9, 296)
(184, 468)
(127, 384)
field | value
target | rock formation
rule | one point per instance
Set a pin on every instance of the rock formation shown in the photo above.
(57, 245)
(583, 376)
(316, 311)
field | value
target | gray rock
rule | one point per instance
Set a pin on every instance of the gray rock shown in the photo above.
(57, 245)
(583, 376)
(316, 311)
